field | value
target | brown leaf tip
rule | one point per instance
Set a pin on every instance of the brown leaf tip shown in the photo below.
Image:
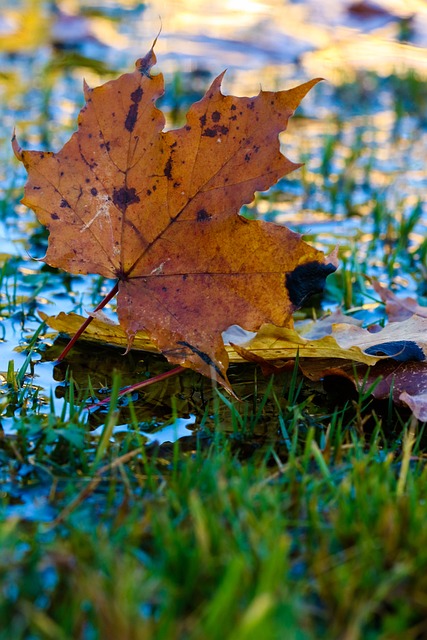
(307, 279)
(204, 357)
(16, 147)
(145, 64)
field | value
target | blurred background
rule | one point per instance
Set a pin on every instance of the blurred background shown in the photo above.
(257, 40)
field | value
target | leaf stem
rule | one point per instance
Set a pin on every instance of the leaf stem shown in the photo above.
(139, 385)
(87, 322)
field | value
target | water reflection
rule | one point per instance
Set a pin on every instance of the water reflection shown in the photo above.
(169, 433)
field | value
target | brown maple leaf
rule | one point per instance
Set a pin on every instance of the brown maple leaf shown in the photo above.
(159, 211)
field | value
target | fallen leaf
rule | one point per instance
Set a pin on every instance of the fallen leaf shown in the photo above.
(398, 309)
(276, 343)
(99, 331)
(159, 211)
(404, 377)
(315, 329)
(269, 344)
(401, 341)
(274, 350)
(417, 404)
(347, 342)
(406, 382)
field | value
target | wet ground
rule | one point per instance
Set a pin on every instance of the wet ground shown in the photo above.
(362, 134)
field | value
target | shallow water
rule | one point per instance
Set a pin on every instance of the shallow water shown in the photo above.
(363, 139)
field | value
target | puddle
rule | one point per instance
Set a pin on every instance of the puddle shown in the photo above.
(162, 434)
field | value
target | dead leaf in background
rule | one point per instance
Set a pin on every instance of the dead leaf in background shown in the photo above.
(406, 382)
(159, 211)
(275, 349)
(314, 329)
(269, 344)
(403, 341)
(274, 343)
(398, 309)
(346, 342)
(417, 404)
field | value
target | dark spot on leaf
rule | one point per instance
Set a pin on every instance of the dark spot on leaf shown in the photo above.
(173, 144)
(148, 192)
(307, 279)
(176, 185)
(87, 180)
(136, 95)
(131, 117)
(247, 157)
(164, 288)
(202, 215)
(202, 120)
(233, 118)
(251, 106)
(154, 187)
(123, 197)
(185, 276)
(94, 191)
(64, 204)
(36, 188)
(233, 107)
(89, 136)
(168, 169)
(400, 350)
(216, 116)
(188, 128)
(54, 216)
(209, 133)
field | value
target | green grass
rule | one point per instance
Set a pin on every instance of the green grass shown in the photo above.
(327, 542)
(278, 516)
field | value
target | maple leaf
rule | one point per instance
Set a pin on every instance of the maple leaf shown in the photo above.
(159, 211)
